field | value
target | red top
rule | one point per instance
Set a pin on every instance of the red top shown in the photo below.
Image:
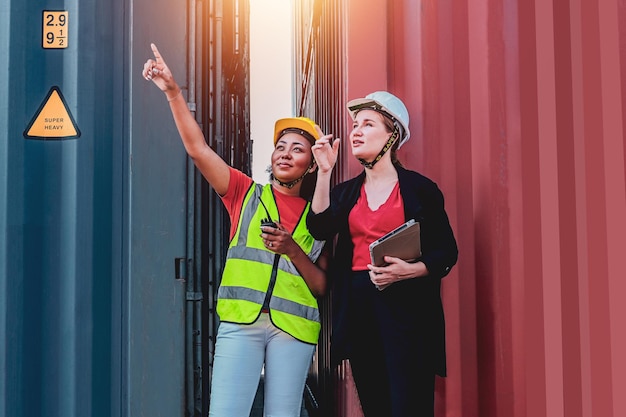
(289, 207)
(367, 225)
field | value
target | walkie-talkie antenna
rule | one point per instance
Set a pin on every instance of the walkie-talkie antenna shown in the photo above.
(266, 210)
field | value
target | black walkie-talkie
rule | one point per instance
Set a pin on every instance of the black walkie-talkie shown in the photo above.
(267, 221)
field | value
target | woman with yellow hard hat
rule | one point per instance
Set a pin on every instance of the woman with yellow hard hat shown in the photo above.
(275, 269)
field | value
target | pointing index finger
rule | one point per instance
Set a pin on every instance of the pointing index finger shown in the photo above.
(156, 53)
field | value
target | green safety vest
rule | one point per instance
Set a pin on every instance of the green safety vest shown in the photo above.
(253, 273)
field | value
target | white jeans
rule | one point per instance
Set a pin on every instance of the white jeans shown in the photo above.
(241, 351)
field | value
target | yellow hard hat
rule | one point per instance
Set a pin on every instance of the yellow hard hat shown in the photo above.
(300, 125)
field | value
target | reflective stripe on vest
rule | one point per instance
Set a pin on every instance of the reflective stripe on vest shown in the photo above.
(251, 270)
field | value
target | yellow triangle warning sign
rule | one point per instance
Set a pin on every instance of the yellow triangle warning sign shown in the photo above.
(53, 119)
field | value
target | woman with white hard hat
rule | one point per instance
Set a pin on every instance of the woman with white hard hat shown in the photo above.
(387, 319)
(275, 269)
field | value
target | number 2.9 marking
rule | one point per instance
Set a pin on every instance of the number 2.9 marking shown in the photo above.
(55, 29)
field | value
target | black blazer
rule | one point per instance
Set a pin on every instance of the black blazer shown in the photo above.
(420, 297)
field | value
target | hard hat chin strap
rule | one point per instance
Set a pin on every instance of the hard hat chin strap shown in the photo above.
(291, 184)
(392, 139)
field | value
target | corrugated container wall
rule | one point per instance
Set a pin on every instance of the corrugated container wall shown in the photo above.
(517, 112)
(111, 245)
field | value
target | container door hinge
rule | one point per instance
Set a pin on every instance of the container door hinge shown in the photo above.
(194, 296)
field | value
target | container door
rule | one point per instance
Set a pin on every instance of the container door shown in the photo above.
(94, 213)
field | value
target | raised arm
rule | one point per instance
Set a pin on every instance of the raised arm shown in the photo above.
(325, 154)
(210, 164)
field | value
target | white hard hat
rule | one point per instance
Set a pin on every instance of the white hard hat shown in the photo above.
(387, 104)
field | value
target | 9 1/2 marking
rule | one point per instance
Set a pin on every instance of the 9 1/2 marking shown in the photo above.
(55, 30)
